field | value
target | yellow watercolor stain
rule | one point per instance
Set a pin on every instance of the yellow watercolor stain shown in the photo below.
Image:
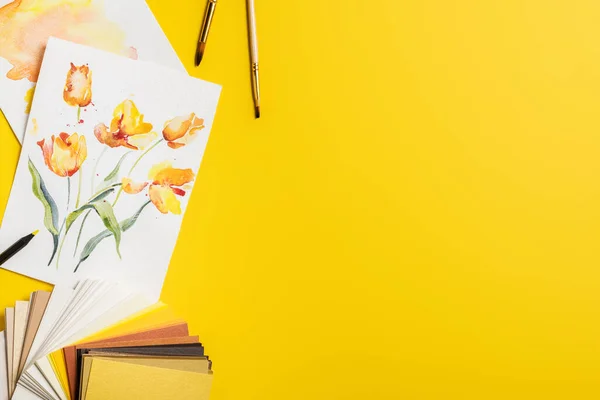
(29, 99)
(26, 25)
(33, 128)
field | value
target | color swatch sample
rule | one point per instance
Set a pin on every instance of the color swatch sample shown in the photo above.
(154, 344)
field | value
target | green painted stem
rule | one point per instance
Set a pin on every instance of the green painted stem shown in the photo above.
(64, 221)
(62, 242)
(85, 217)
(135, 165)
(68, 193)
(143, 154)
(88, 213)
(80, 172)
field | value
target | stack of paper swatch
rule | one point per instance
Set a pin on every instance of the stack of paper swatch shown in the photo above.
(112, 147)
(22, 322)
(143, 357)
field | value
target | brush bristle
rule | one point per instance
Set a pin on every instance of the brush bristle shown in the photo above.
(257, 112)
(200, 52)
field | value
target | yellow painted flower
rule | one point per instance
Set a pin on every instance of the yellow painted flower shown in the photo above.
(64, 154)
(78, 87)
(127, 128)
(165, 186)
(179, 131)
(132, 187)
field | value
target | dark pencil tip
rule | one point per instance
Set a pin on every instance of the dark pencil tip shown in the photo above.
(257, 112)
(200, 52)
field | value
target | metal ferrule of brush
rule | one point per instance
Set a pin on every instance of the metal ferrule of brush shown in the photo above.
(208, 16)
(255, 85)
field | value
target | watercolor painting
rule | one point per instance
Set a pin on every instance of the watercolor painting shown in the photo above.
(65, 154)
(127, 28)
(108, 165)
(81, 21)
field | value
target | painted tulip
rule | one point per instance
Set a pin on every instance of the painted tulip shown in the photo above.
(131, 187)
(127, 128)
(64, 154)
(78, 88)
(179, 131)
(165, 185)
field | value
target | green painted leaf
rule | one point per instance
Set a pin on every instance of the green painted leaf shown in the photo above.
(105, 211)
(95, 241)
(104, 193)
(87, 214)
(50, 210)
(114, 174)
(72, 217)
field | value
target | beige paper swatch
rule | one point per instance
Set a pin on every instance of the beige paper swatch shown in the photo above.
(21, 314)
(39, 301)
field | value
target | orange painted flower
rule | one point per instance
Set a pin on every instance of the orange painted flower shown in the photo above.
(127, 128)
(179, 131)
(78, 87)
(165, 186)
(132, 187)
(64, 154)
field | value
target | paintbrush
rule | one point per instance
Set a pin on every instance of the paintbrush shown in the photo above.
(208, 16)
(253, 56)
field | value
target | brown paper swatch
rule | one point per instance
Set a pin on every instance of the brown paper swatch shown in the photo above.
(147, 338)
(39, 301)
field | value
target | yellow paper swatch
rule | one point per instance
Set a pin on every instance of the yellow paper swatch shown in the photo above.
(125, 381)
(57, 360)
(190, 364)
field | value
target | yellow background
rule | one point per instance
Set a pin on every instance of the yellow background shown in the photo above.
(416, 215)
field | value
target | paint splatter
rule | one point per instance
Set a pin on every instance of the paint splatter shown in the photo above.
(29, 99)
(26, 25)
(33, 127)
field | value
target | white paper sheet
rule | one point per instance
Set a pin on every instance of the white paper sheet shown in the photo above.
(157, 167)
(72, 314)
(24, 393)
(125, 27)
(45, 368)
(37, 383)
